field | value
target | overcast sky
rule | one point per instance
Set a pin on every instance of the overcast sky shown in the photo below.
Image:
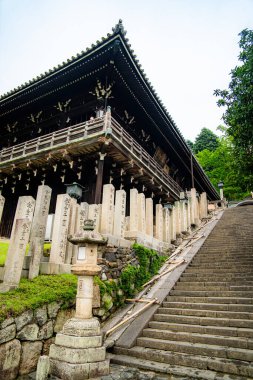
(186, 47)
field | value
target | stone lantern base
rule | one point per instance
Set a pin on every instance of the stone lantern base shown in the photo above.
(78, 352)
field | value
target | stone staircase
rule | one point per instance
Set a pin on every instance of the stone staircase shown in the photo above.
(204, 329)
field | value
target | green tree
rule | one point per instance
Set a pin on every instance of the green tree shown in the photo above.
(238, 100)
(220, 164)
(190, 144)
(206, 139)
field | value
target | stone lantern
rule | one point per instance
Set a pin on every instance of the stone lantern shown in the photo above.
(78, 352)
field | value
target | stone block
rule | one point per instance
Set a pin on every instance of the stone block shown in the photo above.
(29, 332)
(77, 341)
(99, 369)
(8, 333)
(68, 371)
(46, 331)
(30, 355)
(40, 315)
(77, 355)
(10, 354)
(7, 322)
(62, 317)
(43, 367)
(82, 327)
(52, 309)
(24, 319)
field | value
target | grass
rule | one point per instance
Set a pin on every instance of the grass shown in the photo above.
(32, 294)
(4, 245)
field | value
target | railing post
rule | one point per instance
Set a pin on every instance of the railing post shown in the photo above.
(52, 140)
(108, 119)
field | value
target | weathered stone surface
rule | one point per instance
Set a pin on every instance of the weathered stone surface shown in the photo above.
(40, 315)
(9, 359)
(8, 333)
(99, 369)
(52, 309)
(77, 355)
(43, 367)
(62, 317)
(78, 341)
(82, 327)
(7, 322)
(46, 331)
(29, 332)
(30, 355)
(46, 345)
(24, 319)
(67, 371)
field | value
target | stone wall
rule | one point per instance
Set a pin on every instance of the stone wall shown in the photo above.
(24, 338)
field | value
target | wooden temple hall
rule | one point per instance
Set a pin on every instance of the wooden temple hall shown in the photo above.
(96, 120)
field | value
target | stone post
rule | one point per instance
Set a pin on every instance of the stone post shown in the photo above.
(119, 213)
(159, 222)
(173, 224)
(78, 352)
(178, 218)
(82, 211)
(60, 229)
(2, 201)
(167, 227)
(107, 209)
(95, 215)
(19, 239)
(149, 217)
(141, 213)
(194, 208)
(133, 210)
(16, 252)
(70, 248)
(203, 206)
(38, 229)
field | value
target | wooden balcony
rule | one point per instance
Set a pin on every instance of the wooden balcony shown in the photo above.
(85, 138)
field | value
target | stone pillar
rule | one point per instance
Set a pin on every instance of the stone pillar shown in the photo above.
(119, 213)
(95, 215)
(133, 210)
(173, 224)
(16, 253)
(60, 229)
(195, 209)
(184, 227)
(141, 213)
(203, 206)
(149, 217)
(38, 229)
(107, 209)
(70, 248)
(82, 215)
(178, 218)
(188, 216)
(159, 222)
(2, 201)
(167, 227)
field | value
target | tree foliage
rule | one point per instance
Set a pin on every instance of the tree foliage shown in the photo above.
(206, 139)
(238, 100)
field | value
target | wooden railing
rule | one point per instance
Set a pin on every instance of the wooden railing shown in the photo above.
(53, 140)
(80, 132)
(139, 153)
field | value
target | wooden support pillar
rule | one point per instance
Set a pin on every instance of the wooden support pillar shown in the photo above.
(99, 181)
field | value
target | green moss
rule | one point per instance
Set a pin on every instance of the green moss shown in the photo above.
(34, 293)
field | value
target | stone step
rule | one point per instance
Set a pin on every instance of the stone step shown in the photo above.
(193, 269)
(199, 338)
(197, 348)
(215, 265)
(231, 283)
(212, 293)
(210, 287)
(209, 330)
(205, 321)
(223, 300)
(209, 306)
(224, 259)
(177, 372)
(206, 313)
(223, 276)
(235, 367)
